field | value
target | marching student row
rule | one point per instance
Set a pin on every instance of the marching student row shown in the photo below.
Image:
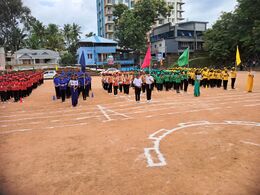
(17, 85)
(71, 85)
(175, 79)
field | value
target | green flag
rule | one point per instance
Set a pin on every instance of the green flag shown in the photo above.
(184, 58)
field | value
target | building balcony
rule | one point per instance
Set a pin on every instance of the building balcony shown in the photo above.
(107, 13)
(180, 18)
(108, 3)
(109, 21)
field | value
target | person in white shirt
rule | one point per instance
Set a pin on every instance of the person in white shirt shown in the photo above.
(149, 82)
(138, 85)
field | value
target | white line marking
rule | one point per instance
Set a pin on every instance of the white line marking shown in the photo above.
(105, 110)
(250, 143)
(157, 136)
(49, 127)
(14, 131)
(104, 113)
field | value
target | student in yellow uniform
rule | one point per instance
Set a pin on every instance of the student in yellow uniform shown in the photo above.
(250, 81)
(225, 76)
(233, 74)
(219, 78)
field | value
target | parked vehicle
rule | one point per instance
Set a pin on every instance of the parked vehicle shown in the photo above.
(49, 74)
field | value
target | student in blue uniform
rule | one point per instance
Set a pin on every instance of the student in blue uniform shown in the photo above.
(74, 84)
(63, 88)
(88, 84)
(82, 85)
(56, 82)
(67, 80)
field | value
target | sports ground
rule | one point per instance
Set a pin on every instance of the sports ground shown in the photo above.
(178, 144)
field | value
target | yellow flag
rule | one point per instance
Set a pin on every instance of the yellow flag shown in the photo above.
(56, 68)
(238, 60)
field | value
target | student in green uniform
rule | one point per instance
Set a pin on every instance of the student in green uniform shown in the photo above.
(172, 80)
(178, 81)
(159, 82)
(185, 80)
(166, 81)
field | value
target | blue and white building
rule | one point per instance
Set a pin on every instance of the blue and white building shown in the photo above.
(105, 16)
(98, 51)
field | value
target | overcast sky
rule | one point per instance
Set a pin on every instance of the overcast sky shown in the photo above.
(83, 12)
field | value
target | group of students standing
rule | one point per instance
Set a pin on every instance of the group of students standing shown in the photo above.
(18, 85)
(71, 85)
(177, 79)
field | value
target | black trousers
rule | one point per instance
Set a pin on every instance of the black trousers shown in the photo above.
(87, 89)
(126, 89)
(137, 93)
(84, 92)
(68, 93)
(181, 85)
(16, 95)
(159, 86)
(177, 85)
(57, 91)
(120, 88)
(186, 84)
(233, 80)
(148, 91)
(143, 87)
(115, 90)
(63, 94)
(3, 96)
(109, 89)
(225, 83)
(219, 83)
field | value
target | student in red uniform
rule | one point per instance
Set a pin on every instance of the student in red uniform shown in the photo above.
(115, 84)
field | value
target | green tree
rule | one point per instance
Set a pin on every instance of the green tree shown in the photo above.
(37, 36)
(71, 35)
(133, 25)
(90, 34)
(15, 19)
(54, 38)
(119, 9)
(67, 59)
(241, 27)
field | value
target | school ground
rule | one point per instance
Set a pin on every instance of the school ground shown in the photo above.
(178, 144)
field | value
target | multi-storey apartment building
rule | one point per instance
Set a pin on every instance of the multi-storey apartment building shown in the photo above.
(105, 15)
(176, 13)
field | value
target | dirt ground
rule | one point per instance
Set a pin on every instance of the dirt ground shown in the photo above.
(178, 144)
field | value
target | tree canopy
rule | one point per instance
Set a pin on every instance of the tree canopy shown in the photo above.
(241, 27)
(132, 26)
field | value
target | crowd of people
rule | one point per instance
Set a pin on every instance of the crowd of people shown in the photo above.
(177, 79)
(15, 86)
(71, 84)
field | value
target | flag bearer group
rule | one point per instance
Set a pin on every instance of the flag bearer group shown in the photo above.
(17, 85)
(71, 84)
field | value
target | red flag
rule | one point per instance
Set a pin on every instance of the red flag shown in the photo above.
(147, 59)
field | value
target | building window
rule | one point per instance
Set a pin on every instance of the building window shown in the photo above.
(160, 45)
(109, 18)
(155, 46)
(89, 56)
(109, 27)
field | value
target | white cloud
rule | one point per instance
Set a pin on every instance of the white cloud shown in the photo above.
(207, 10)
(61, 12)
(83, 12)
